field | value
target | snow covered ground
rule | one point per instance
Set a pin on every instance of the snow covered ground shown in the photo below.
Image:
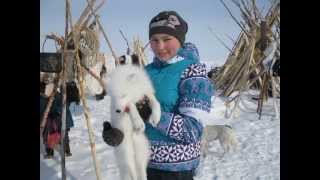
(257, 156)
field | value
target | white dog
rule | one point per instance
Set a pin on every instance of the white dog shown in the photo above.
(127, 85)
(223, 133)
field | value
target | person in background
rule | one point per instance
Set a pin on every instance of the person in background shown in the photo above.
(54, 120)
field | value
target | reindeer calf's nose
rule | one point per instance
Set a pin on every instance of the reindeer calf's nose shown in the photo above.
(118, 111)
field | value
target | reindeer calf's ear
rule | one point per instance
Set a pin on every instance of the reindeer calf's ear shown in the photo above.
(122, 59)
(135, 59)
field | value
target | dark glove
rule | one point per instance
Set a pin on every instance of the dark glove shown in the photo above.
(111, 136)
(144, 108)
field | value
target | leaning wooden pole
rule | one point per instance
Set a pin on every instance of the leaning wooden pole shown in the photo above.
(63, 127)
(43, 121)
(84, 14)
(100, 81)
(64, 97)
(80, 78)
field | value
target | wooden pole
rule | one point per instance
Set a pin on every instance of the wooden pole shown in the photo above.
(101, 82)
(80, 77)
(243, 29)
(104, 34)
(64, 97)
(210, 29)
(90, 15)
(84, 14)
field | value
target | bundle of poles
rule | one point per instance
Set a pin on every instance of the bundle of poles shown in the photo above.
(250, 61)
(74, 35)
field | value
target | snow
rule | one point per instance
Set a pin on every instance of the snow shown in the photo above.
(256, 158)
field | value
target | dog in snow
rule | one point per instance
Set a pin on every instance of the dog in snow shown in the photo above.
(223, 133)
(127, 85)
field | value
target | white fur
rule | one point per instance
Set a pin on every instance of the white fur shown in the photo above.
(92, 86)
(222, 133)
(127, 85)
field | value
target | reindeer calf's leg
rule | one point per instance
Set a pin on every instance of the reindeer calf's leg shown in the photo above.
(137, 122)
(156, 110)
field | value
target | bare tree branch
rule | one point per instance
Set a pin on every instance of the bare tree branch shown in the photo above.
(210, 29)
(254, 9)
(231, 39)
(243, 29)
(245, 6)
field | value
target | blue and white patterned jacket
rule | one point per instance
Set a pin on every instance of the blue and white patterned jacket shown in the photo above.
(184, 93)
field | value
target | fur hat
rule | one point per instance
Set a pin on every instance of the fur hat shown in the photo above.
(169, 22)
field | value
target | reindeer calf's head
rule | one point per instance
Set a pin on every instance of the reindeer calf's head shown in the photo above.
(121, 104)
(125, 95)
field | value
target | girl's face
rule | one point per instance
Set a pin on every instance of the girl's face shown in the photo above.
(164, 46)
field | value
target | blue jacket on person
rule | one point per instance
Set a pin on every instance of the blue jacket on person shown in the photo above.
(184, 93)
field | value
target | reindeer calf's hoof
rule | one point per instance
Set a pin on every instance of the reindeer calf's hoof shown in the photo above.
(111, 136)
(101, 95)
